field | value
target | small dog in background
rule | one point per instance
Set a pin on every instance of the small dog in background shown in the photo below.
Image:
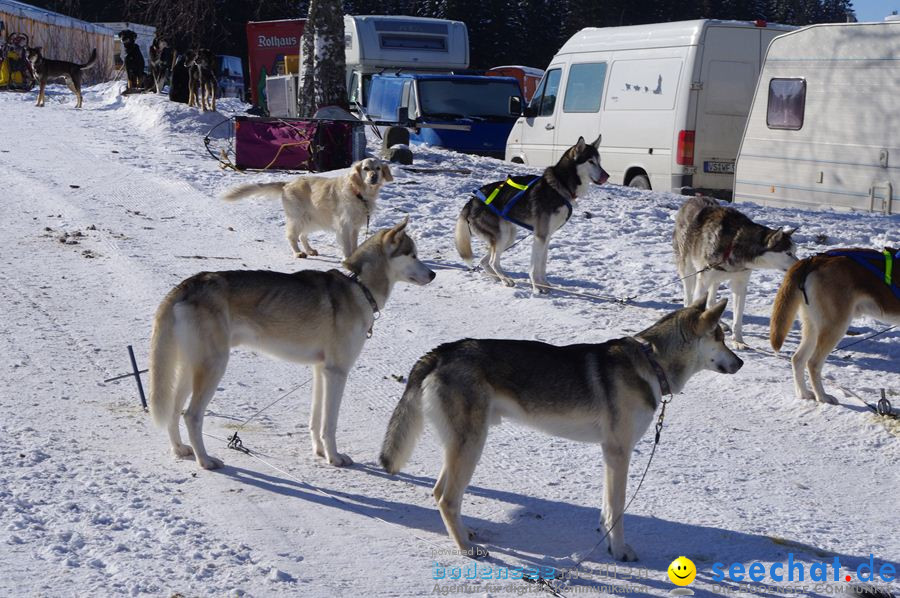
(714, 243)
(829, 291)
(45, 69)
(343, 204)
(134, 59)
(162, 60)
(203, 83)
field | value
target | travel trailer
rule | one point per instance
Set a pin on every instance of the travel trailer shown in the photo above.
(824, 126)
(670, 99)
(379, 44)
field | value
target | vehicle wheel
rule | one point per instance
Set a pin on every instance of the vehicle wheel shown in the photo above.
(394, 136)
(640, 182)
(517, 160)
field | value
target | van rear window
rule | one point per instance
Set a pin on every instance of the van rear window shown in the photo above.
(584, 87)
(787, 104)
(397, 41)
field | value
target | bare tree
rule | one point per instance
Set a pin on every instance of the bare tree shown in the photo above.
(323, 71)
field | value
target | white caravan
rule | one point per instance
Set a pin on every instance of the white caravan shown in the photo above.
(377, 44)
(670, 100)
(824, 128)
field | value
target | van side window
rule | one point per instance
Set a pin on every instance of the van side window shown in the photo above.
(584, 87)
(353, 88)
(787, 103)
(544, 100)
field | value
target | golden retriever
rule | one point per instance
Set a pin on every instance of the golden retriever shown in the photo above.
(343, 204)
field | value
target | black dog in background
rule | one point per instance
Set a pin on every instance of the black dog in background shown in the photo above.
(162, 61)
(134, 60)
(179, 87)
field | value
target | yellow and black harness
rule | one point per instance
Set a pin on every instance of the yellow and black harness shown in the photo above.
(501, 196)
(879, 263)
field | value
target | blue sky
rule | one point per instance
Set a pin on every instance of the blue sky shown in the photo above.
(874, 10)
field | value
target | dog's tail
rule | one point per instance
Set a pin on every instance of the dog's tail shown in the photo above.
(407, 420)
(787, 301)
(464, 235)
(91, 60)
(259, 189)
(163, 364)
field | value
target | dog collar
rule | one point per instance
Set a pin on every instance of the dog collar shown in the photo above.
(647, 349)
(369, 297)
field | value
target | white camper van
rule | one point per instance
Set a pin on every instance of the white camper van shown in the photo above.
(670, 99)
(824, 128)
(377, 44)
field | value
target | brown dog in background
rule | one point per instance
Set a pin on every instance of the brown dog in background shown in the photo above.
(45, 69)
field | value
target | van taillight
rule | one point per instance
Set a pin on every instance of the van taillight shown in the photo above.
(760, 23)
(685, 155)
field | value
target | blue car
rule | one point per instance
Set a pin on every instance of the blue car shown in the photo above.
(429, 103)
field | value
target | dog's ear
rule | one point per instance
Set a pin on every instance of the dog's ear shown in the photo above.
(790, 231)
(393, 237)
(596, 143)
(699, 304)
(580, 145)
(356, 182)
(775, 239)
(386, 172)
(709, 319)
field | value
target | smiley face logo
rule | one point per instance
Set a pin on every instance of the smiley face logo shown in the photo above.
(682, 571)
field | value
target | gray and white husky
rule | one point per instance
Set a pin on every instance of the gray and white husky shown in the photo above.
(545, 207)
(605, 393)
(721, 244)
(321, 318)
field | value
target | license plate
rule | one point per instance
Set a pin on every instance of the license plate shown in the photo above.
(720, 167)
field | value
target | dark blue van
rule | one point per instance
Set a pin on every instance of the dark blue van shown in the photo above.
(482, 104)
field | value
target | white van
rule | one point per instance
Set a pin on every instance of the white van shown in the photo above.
(670, 100)
(824, 128)
(391, 44)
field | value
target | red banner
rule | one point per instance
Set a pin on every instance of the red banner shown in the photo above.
(268, 42)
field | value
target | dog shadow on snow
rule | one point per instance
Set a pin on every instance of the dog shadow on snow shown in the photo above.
(537, 531)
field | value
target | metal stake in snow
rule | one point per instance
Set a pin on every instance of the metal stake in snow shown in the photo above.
(137, 377)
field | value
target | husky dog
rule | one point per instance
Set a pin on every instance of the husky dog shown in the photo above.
(45, 69)
(343, 204)
(605, 393)
(829, 292)
(202, 85)
(714, 243)
(545, 207)
(322, 318)
(162, 60)
(134, 60)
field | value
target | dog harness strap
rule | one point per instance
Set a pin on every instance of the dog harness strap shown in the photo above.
(369, 297)
(508, 203)
(864, 258)
(888, 266)
(664, 387)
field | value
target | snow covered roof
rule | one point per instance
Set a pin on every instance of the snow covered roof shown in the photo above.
(20, 9)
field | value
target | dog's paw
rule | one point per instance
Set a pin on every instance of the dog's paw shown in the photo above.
(313, 252)
(211, 463)
(340, 460)
(624, 553)
(827, 398)
(806, 395)
(740, 345)
(183, 450)
(300, 254)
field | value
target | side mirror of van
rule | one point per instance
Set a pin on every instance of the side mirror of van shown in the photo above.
(515, 105)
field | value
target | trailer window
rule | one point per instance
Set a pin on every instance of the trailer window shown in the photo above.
(544, 100)
(584, 87)
(787, 103)
(396, 41)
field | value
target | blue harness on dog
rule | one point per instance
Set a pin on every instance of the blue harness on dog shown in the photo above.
(881, 264)
(500, 197)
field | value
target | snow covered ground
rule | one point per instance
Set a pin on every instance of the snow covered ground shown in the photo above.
(104, 209)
